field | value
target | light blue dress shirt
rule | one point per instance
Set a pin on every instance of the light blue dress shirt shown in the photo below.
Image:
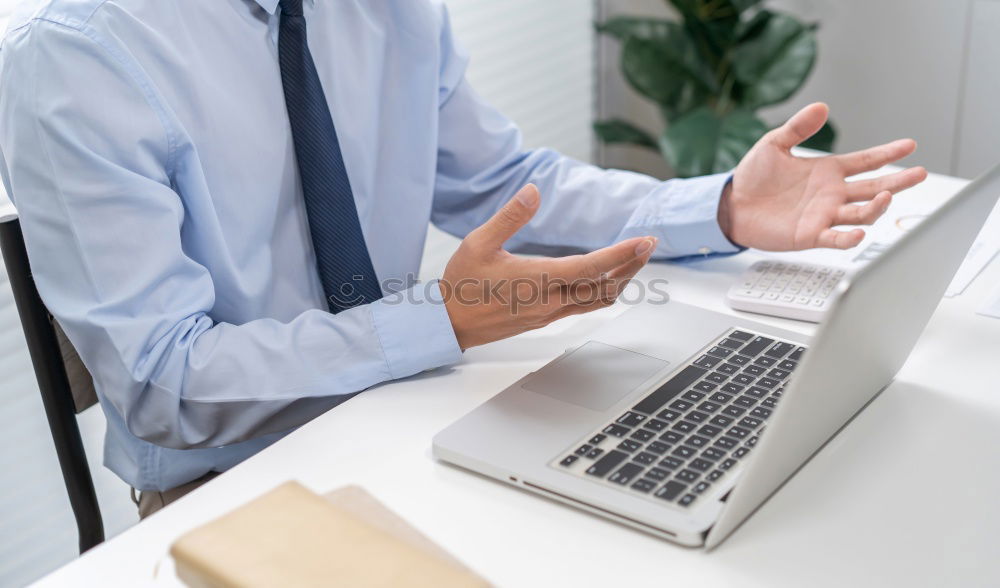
(148, 151)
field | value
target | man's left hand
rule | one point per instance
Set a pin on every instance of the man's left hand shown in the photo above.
(780, 202)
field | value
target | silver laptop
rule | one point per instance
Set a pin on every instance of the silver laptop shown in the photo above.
(681, 422)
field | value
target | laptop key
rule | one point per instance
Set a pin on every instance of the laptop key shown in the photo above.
(596, 439)
(655, 424)
(787, 365)
(728, 368)
(681, 405)
(701, 487)
(720, 397)
(702, 465)
(668, 414)
(670, 490)
(693, 396)
(727, 464)
(645, 458)
(671, 437)
(631, 419)
(706, 361)
(643, 485)
(719, 352)
(604, 465)
(657, 474)
(768, 402)
(721, 421)
(754, 370)
(751, 441)
(583, 450)
(768, 382)
(737, 432)
(738, 359)
(687, 475)
(684, 426)
(734, 411)
(726, 442)
(715, 475)
(704, 387)
(616, 430)
(756, 392)
(696, 441)
(673, 387)
(778, 374)
(696, 416)
(731, 343)
(732, 388)
(595, 453)
(750, 422)
(713, 453)
(779, 350)
(658, 447)
(741, 452)
(568, 460)
(629, 445)
(717, 377)
(687, 499)
(642, 435)
(797, 354)
(756, 346)
(740, 335)
(683, 451)
(765, 361)
(743, 379)
(709, 430)
(761, 413)
(745, 401)
(626, 473)
(709, 406)
(671, 463)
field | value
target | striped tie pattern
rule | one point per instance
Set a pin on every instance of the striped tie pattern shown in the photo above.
(345, 268)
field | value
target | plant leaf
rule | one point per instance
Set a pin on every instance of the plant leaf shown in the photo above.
(620, 131)
(667, 70)
(702, 142)
(623, 27)
(775, 63)
(823, 140)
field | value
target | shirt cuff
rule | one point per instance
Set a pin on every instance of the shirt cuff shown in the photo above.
(684, 215)
(414, 330)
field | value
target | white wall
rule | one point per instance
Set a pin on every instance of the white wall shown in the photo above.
(928, 69)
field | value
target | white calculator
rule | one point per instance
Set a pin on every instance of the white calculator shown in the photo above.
(788, 290)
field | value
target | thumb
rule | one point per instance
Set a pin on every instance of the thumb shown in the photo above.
(508, 220)
(803, 124)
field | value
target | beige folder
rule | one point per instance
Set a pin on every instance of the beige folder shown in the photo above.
(294, 537)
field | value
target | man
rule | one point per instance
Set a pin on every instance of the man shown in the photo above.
(225, 203)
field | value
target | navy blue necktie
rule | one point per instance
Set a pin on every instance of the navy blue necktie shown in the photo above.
(345, 268)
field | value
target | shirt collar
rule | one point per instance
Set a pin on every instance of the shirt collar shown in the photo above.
(271, 6)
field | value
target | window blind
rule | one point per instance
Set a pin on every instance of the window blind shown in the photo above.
(534, 61)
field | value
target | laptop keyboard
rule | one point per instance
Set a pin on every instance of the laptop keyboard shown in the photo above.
(689, 434)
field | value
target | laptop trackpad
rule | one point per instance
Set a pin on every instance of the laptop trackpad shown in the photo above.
(594, 376)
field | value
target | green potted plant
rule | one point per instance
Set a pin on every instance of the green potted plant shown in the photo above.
(709, 73)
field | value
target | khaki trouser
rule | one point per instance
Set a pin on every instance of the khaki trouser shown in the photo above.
(151, 501)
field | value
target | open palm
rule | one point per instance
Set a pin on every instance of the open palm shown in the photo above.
(781, 202)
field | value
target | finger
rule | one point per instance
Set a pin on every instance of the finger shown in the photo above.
(596, 263)
(508, 220)
(834, 239)
(865, 214)
(875, 157)
(860, 190)
(609, 286)
(803, 124)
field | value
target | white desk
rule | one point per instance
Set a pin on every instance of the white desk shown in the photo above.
(906, 495)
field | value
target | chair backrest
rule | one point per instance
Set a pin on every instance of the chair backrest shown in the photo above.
(64, 382)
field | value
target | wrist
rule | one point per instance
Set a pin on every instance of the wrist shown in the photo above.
(724, 216)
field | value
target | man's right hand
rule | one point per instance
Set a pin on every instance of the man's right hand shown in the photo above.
(491, 294)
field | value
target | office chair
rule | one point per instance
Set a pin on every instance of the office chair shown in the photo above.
(64, 382)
